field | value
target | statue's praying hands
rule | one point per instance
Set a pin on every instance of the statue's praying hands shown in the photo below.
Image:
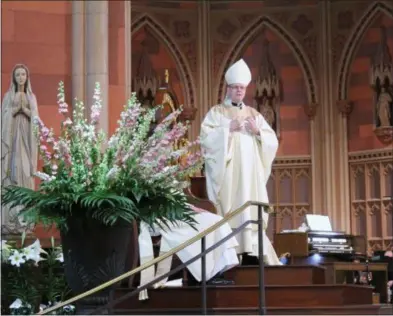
(21, 104)
(17, 103)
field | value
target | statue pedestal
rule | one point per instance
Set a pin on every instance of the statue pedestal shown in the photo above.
(384, 134)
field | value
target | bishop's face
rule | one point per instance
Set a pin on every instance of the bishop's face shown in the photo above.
(237, 92)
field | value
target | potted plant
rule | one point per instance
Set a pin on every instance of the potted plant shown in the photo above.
(32, 278)
(94, 188)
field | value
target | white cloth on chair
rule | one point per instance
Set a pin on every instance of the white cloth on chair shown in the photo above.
(221, 259)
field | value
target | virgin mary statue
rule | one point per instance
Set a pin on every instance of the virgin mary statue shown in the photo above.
(18, 141)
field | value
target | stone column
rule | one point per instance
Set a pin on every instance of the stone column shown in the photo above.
(326, 141)
(78, 50)
(204, 93)
(316, 156)
(128, 51)
(341, 171)
(96, 33)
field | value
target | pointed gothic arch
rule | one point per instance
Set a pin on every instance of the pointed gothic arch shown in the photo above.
(355, 39)
(177, 55)
(250, 33)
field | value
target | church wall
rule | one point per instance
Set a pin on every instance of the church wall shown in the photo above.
(294, 123)
(117, 62)
(361, 121)
(38, 34)
(371, 173)
(365, 173)
(323, 143)
(314, 126)
(157, 59)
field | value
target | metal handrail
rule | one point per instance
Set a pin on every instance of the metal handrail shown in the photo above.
(168, 254)
(201, 256)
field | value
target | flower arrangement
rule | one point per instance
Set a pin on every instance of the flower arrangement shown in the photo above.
(30, 276)
(129, 176)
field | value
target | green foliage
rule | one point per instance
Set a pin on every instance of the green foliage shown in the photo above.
(35, 280)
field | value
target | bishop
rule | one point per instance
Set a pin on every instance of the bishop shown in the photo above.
(239, 148)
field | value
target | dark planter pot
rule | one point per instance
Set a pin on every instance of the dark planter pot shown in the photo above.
(94, 254)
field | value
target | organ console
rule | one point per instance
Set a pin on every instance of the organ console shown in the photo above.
(317, 237)
(331, 246)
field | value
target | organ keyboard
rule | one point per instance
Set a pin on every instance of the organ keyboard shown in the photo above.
(305, 244)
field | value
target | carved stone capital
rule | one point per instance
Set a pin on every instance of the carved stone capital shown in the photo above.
(384, 134)
(345, 107)
(310, 110)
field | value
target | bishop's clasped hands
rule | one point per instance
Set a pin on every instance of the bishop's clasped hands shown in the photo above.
(249, 125)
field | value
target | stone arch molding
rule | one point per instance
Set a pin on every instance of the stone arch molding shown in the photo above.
(354, 40)
(188, 87)
(246, 37)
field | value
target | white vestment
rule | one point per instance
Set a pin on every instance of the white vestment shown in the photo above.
(221, 259)
(237, 168)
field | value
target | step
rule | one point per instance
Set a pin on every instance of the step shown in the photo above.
(241, 296)
(278, 275)
(325, 310)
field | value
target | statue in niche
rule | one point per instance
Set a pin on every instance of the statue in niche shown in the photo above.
(384, 108)
(269, 114)
(381, 79)
(19, 146)
(145, 81)
(268, 88)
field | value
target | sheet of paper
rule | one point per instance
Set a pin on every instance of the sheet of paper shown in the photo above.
(318, 222)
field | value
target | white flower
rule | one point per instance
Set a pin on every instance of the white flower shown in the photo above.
(32, 254)
(4, 245)
(113, 141)
(67, 121)
(5, 250)
(43, 176)
(60, 257)
(69, 308)
(89, 132)
(28, 253)
(16, 258)
(16, 304)
(112, 173)
(36, 247)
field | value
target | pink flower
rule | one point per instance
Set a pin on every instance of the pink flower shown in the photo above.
(63, 107)
(45, 131)
(67, 122)
(95, 116)
(96, 107)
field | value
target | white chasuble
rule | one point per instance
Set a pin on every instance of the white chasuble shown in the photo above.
(219, 260)
(237, 168)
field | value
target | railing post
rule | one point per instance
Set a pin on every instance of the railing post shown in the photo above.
(111, 296)
(204, 289)
(262, 307)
